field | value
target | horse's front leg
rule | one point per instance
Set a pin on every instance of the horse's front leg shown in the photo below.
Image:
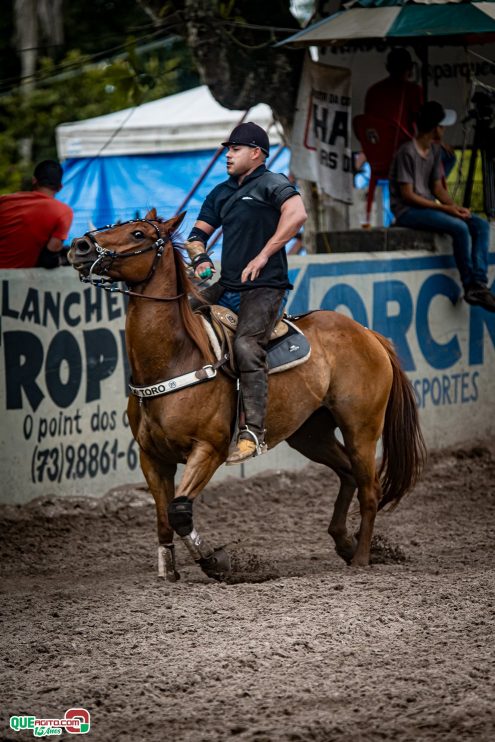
(160, 479)
(201, 464)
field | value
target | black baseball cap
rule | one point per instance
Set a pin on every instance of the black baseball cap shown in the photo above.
(433, 114)
(250, 135)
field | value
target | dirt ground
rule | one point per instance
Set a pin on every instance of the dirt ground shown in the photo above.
(297, 646)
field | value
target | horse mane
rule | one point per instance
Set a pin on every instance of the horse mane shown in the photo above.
(193, 324)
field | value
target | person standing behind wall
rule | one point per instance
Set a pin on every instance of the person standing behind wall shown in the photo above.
(33, 224)
(396, 98)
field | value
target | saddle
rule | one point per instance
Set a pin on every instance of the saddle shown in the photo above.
(287, 347)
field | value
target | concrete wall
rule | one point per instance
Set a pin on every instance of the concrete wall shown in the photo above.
(63, 367)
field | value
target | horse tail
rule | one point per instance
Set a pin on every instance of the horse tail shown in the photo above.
(404, 449)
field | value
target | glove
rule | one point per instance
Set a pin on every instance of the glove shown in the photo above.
(204, 260)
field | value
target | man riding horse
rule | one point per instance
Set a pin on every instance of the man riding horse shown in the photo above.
(259, 211)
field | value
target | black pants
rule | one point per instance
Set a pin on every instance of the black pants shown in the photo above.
(258, 315)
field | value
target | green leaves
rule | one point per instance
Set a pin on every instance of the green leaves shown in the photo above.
(78, 88)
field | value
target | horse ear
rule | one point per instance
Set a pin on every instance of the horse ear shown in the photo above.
(151, 215)
(173, 224)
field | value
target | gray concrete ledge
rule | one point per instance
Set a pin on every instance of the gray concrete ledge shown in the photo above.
(381, 239)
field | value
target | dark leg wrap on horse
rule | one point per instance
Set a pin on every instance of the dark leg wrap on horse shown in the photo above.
(180, 516)
(214, 562)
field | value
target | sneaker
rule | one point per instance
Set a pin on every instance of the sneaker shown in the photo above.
(481, 296)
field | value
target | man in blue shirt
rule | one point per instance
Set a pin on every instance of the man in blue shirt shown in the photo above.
(259, 212)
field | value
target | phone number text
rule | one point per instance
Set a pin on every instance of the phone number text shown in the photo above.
(81, 461)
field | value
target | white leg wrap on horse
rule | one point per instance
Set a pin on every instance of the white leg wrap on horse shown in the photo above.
(166, 562)
(161, 560)
(197, 547)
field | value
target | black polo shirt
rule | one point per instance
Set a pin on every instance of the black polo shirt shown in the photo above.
(247, 226)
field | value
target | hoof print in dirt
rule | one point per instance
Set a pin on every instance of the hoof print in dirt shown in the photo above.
(217, 565)
(384, 552)
(476, 452)
(248, 567)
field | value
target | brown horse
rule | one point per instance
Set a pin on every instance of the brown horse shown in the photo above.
(352, 381)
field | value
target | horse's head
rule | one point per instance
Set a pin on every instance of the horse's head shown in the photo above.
(126, 252)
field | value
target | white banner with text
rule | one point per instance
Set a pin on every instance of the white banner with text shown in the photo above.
(321, 139)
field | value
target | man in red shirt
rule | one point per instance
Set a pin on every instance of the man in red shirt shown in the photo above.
(33, 224)
(395, 98)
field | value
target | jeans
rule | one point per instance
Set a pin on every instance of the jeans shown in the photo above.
(258, 312)
(470, 237)
(232, 300)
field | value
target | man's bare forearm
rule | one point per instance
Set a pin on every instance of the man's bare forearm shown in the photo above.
(290, 223)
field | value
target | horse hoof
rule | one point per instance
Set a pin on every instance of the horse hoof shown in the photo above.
(347, 551)
(217, 565)
(173, 576)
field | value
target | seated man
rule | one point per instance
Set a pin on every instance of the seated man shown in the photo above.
(419, 200)
(34, 223)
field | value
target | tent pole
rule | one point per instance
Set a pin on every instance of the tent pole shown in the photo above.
(205, 172)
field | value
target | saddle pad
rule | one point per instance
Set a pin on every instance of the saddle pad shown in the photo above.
(288, 347)
(288, 351)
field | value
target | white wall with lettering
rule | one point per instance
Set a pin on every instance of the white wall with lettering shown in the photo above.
(64, 427)
(64, 373)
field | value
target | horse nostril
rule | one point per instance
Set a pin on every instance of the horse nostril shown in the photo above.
(81, 246)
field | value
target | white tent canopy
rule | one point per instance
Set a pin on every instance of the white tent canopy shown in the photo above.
(188, 121)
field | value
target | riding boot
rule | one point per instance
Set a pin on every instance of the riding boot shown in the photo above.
(251, 441)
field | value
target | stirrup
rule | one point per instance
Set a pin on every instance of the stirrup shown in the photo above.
(261, 446)
(252, 447)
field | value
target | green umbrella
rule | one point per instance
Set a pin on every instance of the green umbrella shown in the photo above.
(402, 20)
(406, 22)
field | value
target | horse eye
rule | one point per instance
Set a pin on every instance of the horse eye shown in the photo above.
(138, 235)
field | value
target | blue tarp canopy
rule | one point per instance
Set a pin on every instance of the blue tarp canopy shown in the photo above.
(117, 167)
(105, 190)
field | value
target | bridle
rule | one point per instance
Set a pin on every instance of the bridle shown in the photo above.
(106, 258)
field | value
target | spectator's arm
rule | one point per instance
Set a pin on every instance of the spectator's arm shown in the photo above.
(447, 202)
(54, 244)
(448, 207)
(440, 192)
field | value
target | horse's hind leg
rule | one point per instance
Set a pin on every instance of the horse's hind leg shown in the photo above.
(160, 479)
(362, 452)
(316, 440)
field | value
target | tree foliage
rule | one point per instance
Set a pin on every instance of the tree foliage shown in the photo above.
(232, 42)
(114, 72)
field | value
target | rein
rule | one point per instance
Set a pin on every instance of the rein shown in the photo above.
(105, 282)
